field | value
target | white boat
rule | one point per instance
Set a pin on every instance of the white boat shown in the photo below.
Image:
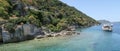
(107, 27)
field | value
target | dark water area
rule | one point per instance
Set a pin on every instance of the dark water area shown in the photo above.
(90, 39)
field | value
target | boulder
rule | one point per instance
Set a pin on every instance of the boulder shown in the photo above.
(39, 36)
(57, 35)
(68, 33)
(49, 35)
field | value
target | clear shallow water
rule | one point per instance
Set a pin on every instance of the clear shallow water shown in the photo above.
(90, 39)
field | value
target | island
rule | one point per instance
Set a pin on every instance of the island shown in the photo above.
(22, 20)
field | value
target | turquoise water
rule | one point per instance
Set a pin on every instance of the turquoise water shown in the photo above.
(90, 39)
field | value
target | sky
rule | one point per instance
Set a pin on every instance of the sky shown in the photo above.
(98, 9)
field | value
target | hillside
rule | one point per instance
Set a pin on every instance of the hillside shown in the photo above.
(104, 21)
(49, 13)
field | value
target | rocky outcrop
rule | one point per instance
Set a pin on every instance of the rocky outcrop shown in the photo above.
(30, 31)
(62, 33)
(6, 36)
(22, 32)
(104, 21)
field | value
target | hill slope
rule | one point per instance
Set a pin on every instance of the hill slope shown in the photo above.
(104, 21)
(49, 13)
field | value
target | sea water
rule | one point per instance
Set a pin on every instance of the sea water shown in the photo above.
(90, 39)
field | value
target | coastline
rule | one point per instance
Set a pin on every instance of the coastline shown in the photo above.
(67, 32)
(41, 43)
(25, 32)
(62, 33)
(30, 32)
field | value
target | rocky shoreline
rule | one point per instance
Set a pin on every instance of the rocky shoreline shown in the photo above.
(62, 33)
(25, 32)
(69, 31)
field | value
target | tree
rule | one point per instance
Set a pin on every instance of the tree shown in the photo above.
(4, 5)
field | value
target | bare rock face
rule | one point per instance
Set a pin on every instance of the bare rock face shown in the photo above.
(22, 32)
(6, 37)
(1, 34)
(26, 29)
(19, 33)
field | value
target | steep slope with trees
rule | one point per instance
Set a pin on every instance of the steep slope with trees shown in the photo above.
(49, 13)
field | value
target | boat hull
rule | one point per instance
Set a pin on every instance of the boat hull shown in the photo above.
(107, 28)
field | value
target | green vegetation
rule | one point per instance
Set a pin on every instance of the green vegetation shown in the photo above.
(10, 27)
(49, 13)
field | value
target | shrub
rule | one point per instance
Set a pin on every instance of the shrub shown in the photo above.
(33, 19)
(10, 27)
